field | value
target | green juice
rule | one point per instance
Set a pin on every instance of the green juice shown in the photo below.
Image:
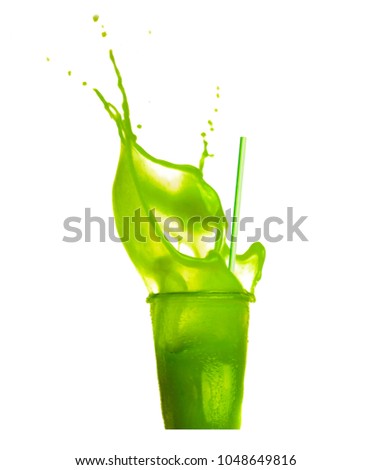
(199, 307)
(200, 342)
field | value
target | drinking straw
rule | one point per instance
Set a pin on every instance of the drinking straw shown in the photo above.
(237, 203)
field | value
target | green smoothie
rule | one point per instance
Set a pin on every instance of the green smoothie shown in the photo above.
(199, 307)
(200, 342)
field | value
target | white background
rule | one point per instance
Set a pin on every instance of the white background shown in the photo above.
(77, 364)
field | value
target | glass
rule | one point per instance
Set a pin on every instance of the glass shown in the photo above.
(201, 343)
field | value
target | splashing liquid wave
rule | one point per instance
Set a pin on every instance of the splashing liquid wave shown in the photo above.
(144, 183)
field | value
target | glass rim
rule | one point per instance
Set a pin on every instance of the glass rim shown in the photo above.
(248, 296)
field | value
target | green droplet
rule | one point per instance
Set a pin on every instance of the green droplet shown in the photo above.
(149, 32)
(104, 34)
(69, 73)
(84, 83)
(212, 129)
(95, 18)
(139, 126)
(217, 95)
(218, 88)
(205, 154)
(210, 122)
(48, 59)
(203, 134)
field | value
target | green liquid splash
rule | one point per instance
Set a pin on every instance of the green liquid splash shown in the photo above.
(153, 189)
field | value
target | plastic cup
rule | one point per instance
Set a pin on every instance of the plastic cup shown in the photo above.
(201, 343)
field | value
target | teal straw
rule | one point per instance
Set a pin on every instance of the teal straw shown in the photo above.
(237, 203)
